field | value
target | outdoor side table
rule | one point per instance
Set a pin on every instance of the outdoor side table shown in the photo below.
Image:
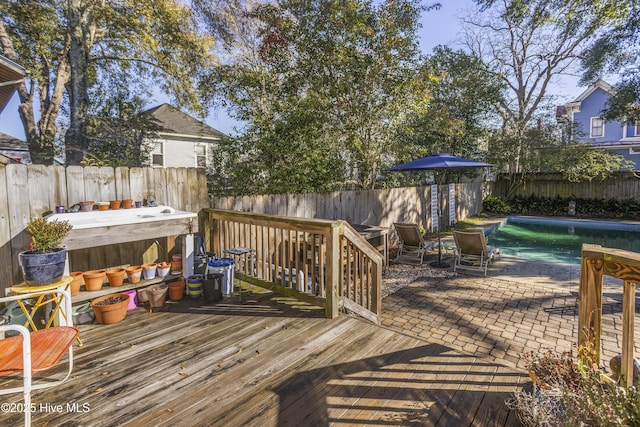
(56, 299)
(244, 258)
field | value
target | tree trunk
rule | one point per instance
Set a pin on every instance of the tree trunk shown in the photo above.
(79, 31)
(41, 135)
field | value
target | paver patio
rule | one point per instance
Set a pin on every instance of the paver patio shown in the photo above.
(522, 306)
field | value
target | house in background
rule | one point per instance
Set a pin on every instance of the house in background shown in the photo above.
(13, 150)
(586, 124)
(11, 77)
(183, 141)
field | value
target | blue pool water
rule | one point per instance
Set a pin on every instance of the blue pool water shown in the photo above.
(559, 240)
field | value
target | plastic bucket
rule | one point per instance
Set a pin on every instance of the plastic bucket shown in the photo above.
(83, 313)
(194, 285)
(223, 266)
(12, 314)
(212, 288)
(133, 299)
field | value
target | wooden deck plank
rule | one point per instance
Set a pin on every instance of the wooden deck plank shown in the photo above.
(229, 386)
(263, 405)
(264, 363)
(493, 411)
(469, 395)
(314, 388)
(388, 399)
(414, 375)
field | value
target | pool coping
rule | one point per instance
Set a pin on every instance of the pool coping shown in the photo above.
(607, 224)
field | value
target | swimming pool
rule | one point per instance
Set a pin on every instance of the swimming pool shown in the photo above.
(560, 240)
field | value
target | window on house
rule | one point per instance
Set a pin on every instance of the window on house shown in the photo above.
(637, 129)
(157, 155)
(201, 155)
(597, 127)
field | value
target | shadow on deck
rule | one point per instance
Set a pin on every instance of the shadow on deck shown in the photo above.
(269, 361)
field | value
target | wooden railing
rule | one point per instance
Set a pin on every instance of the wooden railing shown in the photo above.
(325, 263)
(596, 262)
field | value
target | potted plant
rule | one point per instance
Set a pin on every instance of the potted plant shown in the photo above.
(44, 262)
(569, 389)
(110, 308)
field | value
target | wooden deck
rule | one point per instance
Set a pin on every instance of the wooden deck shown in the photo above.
(268, 361)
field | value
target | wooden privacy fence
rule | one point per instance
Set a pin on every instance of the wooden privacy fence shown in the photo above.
(596, 262)
(621, 185)
(325, 263)
(373, 207)
(28, 191)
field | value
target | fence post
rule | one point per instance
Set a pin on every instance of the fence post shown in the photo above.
(590, 301)
(333, 269)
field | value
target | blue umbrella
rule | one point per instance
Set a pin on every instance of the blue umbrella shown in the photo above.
(438, 162)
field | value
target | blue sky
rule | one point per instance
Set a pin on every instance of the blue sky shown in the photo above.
(438, 27)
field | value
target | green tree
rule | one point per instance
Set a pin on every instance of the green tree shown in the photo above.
(321, 84)
(578, 162)
(615, 51)
(120, 133)
(461, 105)
(70, 47)
(529, 43)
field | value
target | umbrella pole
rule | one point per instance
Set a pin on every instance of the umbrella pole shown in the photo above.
(439, 263)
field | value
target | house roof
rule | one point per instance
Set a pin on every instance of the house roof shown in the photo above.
(600, 84)
(8, 142)
(11, 76)
(175, 122)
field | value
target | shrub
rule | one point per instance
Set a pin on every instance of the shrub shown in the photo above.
(558, 206)
(573, 393)
(47, 235)
(495, 205)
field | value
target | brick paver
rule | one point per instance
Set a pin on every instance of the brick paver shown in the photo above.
(498, 318)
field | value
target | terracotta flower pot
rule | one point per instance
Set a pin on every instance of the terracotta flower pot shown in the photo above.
(163, 268)
(149, 271)
(127, 203)
(116, 276)
(134, 273)
(176, 266)
(176, 290)
(115, 204)
(103, 206)
(93, 279)
(76, 282)
(110, 308)
(86, 206)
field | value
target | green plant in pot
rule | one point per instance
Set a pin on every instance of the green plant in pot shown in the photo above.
(44, 262)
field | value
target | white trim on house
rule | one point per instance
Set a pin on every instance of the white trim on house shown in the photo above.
(600, 84)
(574, 106)
(158, 153)
(591, 127)
(183, 137)
(200, 156)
